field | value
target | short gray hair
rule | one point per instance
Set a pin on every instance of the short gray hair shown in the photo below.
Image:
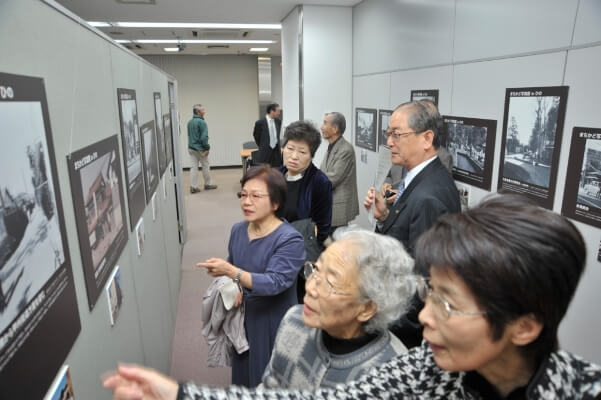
(423, 116)
(338, 120)
(196, 108)
(385, 274)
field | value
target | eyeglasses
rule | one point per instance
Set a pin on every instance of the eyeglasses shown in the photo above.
(254, 196)
(310, 271)
(442, 308)
(395, 135)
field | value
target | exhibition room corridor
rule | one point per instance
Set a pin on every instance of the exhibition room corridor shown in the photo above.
(210, 216)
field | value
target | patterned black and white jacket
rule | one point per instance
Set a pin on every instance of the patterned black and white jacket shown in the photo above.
(415, 375)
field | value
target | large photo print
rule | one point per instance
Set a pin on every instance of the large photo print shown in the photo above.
(98, 199)
(383, 120)
(582, 195)
(38, 308)
(532, 128)
(132, 150)
(471, 143)
(159, 129)
(151, 165)
(365, 128)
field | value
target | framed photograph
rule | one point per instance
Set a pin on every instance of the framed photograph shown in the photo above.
(532, 128)
(365, 128)
(168, 138)
(132, 148)
(114, 295)
(151, 165)
(582, 194)
(383, 118)
(429, 94)
(99, 204)
(38, 306)
(471, 142)
(140, 236)
(62, 387)
(159, 129)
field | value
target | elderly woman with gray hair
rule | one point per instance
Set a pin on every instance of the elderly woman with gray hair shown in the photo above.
(357, 287)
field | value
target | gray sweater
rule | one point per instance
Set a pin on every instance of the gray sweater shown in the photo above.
(300, 360)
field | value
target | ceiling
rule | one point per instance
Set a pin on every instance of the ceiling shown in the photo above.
(195, 11)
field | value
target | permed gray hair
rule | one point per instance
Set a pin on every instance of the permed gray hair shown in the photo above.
(385, 274)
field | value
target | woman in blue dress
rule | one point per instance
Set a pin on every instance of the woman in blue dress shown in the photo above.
(265, 257)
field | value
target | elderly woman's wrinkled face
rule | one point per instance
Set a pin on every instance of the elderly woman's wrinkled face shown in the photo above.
(297, 156)
(462, 342)
(332, 297)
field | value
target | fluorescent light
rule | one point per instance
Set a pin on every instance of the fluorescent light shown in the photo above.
(123, 41)
(171, 48)
(195, 25)
(99, 24)
(259, 49)
(198, 41)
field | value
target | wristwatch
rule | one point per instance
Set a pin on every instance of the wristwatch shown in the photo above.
(236, 279)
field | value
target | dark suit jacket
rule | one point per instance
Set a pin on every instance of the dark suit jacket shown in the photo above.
(430, 194)
(266, 154)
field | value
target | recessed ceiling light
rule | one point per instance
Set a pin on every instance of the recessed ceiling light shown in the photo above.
(171, 48)
(201, 25)
(123, 41)
(199, 41)
(259, 49)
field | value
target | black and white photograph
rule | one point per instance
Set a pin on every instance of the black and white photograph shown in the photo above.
(168, 138)
(132, 148)
(428, 94)
(471, 142)
(38, 307)
(159, 129)
(532, 129)
(599, 252)
(365, 128)
(62, 387)
(151, 165)
(155, 207)
(140, 236)
(383, 120)
(99, 204)
(114, 295)
(582, 195)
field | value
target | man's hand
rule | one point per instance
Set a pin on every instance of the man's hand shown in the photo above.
(388, 193)
(377, 200)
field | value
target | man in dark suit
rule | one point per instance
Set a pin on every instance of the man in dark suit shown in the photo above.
(427, 191)
(267, 137)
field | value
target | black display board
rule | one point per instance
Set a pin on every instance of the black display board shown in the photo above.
(151, 165)
(132, 150)
(365, 128)
(582, 195)
(39, 319)
(98, 200)
(532, 129)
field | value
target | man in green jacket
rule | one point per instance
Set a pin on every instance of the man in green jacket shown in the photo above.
(198, 147)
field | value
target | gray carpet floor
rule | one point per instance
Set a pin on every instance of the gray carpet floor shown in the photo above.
(210, 216)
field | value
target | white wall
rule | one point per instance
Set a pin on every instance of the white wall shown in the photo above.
(290, 66)
(276, 80)
(327, 65)
(228, 87)
(471, 50)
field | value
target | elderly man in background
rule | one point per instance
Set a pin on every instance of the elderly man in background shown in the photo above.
(339, 166)
(198, 148)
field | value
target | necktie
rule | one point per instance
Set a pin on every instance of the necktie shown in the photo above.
(400, 191)
(273, 140)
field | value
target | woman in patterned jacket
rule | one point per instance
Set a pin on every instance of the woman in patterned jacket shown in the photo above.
(502, 276)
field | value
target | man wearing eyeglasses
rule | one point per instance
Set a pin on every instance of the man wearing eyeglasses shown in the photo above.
(427, 191)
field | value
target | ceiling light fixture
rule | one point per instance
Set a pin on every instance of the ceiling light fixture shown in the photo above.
(99, 24)
(259, 49)
(200, 41)
(201, 25)
(171, 48)
(123, 41)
